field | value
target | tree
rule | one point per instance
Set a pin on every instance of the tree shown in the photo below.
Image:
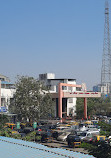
(94, 106)
(101, 149)
(3, 120)
(80, 108)
(30, 100)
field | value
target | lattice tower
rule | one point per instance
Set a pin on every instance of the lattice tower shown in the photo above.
(106, 60)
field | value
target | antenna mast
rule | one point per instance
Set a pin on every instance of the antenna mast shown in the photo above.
(106, 60)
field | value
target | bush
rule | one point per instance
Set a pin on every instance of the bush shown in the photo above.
(6, 132)
(101, 149)
(38, 138)
(104, 126)
(86, 146)
(16, 136)
(30, 136)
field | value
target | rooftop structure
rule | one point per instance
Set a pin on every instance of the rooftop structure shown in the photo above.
(17, 148)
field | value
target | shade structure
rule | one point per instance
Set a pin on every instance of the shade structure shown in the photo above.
(16, 148)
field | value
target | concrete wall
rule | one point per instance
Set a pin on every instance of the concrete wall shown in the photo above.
(50, 81)
(6, 95)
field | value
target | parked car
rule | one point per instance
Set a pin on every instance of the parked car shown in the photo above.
(46, 137)
(88, 139)
(88, 123)
(82, 127)
(73, 141)
(78, 133)
(94, 122)
(93, 130)
(109, 140)
(62, 128)
(91, 126)
(63, 136)
(75, 127)
(27, 130)
(56, 133)
(52, 126)
(88, 133)
(98, 138)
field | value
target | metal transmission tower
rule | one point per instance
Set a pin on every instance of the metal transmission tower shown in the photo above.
(106, 60)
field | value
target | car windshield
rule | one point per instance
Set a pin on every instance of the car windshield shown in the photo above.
(79, 133)
(48, 134)
(101, 138)
(77, 139)
(63, 134)
(83, 134)
(81, 125)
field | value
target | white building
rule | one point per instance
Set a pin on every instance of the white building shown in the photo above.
(7, 91)
(69, 104)
(104, 89)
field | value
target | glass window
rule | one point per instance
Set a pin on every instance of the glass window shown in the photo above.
(83, 134)
(101, 138)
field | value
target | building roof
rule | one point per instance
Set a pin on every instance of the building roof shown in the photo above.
(4, 77)
(17, 148)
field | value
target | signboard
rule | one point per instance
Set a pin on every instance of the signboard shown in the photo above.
(18, 125)
(3, 109)
(35, 125)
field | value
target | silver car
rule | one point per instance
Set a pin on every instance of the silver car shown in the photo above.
(63, 136)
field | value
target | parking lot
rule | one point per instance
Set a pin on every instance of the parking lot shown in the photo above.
(69, 135)
(64, 145)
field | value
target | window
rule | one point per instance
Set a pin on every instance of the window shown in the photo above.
(52, 88)
(101, 138)
(2, 79)
(2, 86)
(70, 100)
(64, 88)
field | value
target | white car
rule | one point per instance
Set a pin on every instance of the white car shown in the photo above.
(93, 130)
(62, 128)
(87, 134)
(109, 139)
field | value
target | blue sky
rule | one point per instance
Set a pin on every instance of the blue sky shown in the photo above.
(60, 36)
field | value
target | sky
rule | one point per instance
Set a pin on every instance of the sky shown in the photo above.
(64, 37)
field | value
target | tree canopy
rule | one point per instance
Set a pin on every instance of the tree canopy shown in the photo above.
(31, 100)
(94, 106)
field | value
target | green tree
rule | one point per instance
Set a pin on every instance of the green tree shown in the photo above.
(94, 106)
(30, 100)
(80, 108)
(3, 120)
(100, 149)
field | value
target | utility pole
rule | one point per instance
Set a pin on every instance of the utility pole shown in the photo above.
(106, 59)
